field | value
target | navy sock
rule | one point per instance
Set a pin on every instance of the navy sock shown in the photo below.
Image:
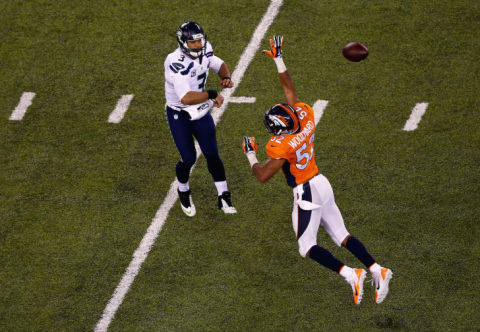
(216, 168)
(325, 257)
(358, 249)
(182, 171)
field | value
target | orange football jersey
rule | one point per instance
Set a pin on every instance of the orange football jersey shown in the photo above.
(297, 149)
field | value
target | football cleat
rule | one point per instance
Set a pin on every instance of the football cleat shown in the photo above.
(356, 281)
(225, 203)
(382, 279)
(186, 202)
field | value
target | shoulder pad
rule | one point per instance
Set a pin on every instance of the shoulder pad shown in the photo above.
(276, 148)
(209, 50)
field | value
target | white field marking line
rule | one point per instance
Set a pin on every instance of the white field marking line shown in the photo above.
(25, 101)
(318, 109)
(248, 54)
(415, 117)
(249, 100)
(141, 253)
(119, 112)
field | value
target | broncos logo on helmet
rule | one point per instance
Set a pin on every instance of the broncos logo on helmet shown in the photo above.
(191, 31)
(282, 119)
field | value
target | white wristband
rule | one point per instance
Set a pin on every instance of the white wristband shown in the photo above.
(280, 65)
(252, 158)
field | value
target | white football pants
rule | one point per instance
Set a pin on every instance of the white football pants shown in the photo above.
(314, 205)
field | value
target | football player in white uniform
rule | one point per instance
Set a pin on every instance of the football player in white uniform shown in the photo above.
(187, 111)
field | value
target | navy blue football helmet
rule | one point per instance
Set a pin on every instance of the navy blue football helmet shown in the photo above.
(191, 31)
(282, 119)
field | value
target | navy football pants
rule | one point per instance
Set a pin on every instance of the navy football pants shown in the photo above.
(183, 131)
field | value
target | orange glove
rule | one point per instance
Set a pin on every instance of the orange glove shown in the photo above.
(276, 47)
(249, 145)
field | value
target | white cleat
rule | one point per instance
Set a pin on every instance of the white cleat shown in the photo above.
(186, 203)
(225, 203)
(356, 281)
(382, 280)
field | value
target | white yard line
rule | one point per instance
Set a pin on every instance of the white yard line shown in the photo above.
(141, 253)
(415, 117)
(119, 112)
(242, 100)
(319, 108)
(25, 101)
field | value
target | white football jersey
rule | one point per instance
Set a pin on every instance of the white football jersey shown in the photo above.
(184, 74)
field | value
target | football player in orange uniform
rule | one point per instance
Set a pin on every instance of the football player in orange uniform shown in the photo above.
(291, 149)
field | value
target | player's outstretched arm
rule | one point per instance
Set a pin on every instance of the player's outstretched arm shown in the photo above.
(262, 172)
(276, 54)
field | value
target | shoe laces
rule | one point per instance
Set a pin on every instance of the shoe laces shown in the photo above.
(375, 280)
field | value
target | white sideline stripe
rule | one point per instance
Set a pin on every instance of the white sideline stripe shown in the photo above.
(415, 117)
(250, 100)
(318, 109)
(141, 253)
(119, 112)
(19, 111)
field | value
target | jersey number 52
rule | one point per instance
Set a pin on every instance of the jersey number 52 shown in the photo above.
(302, 154)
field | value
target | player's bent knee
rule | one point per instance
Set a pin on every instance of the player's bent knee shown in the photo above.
(189, 162)
(304, 248)
(340, 238)
(213, 158)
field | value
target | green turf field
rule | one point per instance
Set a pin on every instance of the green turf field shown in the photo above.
(77, 193)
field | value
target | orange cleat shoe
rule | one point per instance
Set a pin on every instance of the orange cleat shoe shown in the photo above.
(356, 281)
(382, 279)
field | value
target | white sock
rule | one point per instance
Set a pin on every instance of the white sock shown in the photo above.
(221, 187)
(375, 268)
(346, 272)
(183, 187)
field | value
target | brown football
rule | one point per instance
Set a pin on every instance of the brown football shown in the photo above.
(355, 51)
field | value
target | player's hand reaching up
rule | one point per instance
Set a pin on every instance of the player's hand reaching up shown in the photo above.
(276, 47)
(249, 145)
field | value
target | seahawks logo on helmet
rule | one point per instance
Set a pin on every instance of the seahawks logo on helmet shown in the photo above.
(282, 119)
(191, 31)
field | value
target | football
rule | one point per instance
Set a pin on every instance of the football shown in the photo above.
(355, 51)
